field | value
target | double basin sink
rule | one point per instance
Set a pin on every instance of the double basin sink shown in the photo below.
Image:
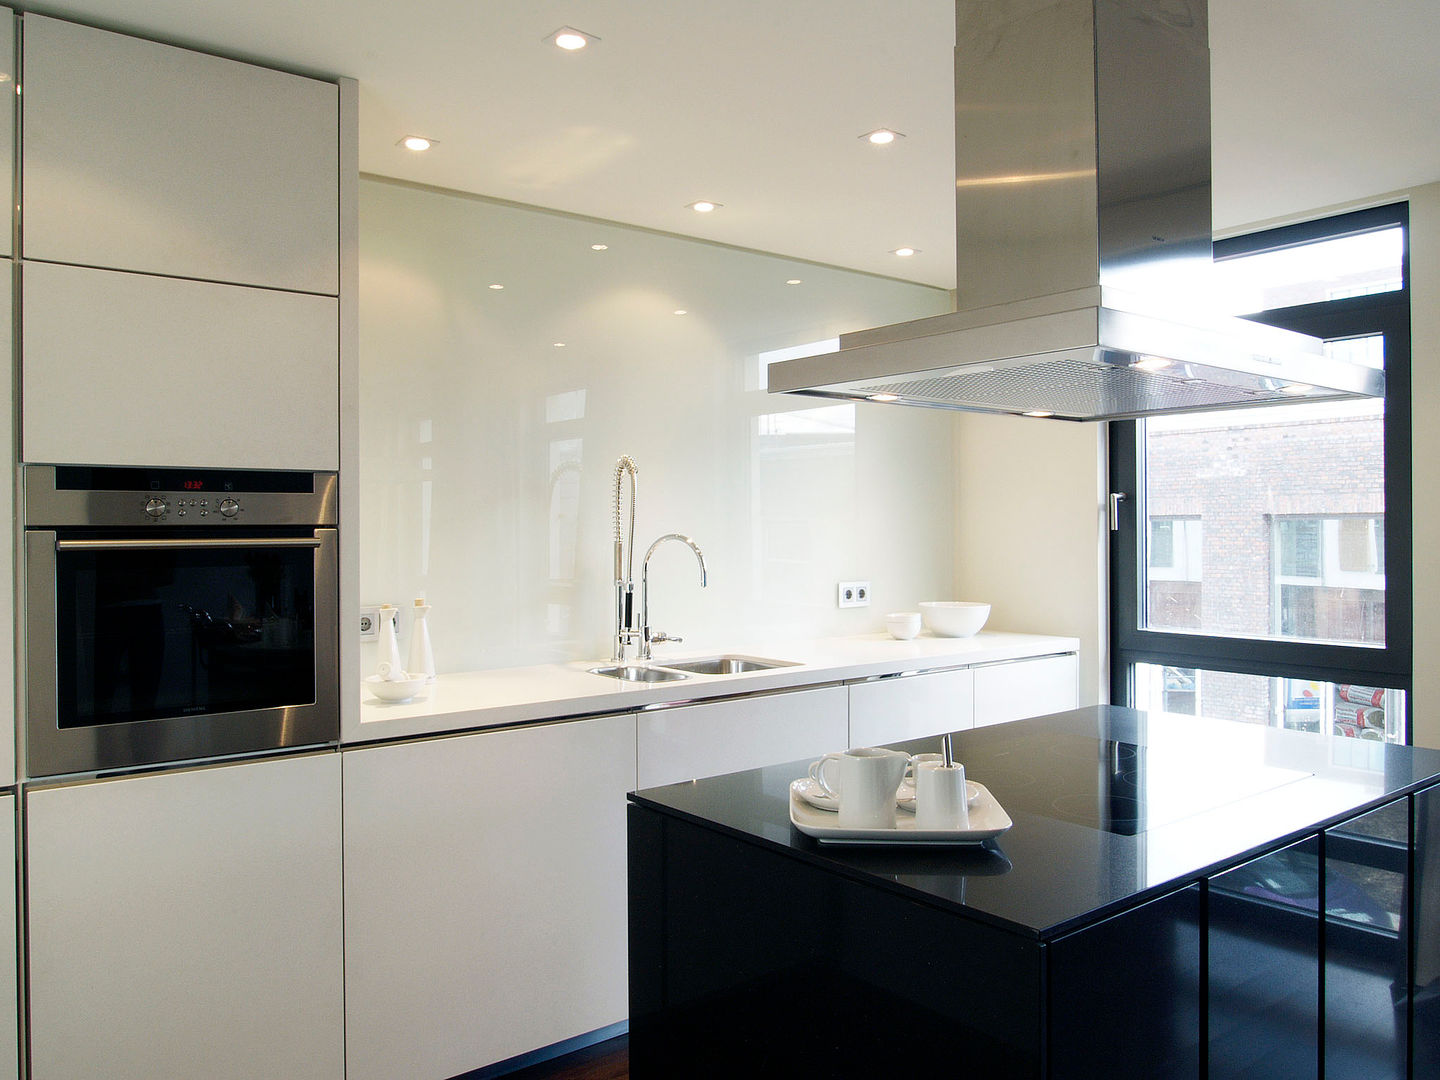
(683, 669)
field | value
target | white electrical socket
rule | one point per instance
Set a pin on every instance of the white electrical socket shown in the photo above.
(370, 622)
(852, 594)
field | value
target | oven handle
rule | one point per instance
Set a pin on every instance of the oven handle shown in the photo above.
(195, 542)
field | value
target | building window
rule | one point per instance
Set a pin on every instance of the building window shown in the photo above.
(1249, 573)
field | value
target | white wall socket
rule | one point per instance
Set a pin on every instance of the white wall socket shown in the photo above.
(369, 622)
(853, 594)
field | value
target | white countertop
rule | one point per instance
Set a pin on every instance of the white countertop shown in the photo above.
(463, 701)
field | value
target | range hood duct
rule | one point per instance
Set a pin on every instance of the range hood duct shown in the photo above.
(1083, 235)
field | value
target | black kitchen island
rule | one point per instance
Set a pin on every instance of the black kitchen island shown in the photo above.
(1155, 911)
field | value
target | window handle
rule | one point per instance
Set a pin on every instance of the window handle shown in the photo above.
(1115, 499)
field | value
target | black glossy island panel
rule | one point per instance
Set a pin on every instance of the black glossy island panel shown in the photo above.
(1155, 911)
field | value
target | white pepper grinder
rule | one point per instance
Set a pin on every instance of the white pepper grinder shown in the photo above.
(422, 657)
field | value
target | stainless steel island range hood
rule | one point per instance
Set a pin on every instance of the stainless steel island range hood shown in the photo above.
(1082, 205)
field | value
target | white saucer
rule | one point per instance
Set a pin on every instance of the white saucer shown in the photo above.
(813, 794)
(905, 799)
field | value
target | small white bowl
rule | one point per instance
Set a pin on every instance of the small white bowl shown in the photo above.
(954, 618)
(903, 625)
(394, 689)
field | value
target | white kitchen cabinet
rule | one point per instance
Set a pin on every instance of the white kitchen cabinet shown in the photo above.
(141, 156)
(7, 536)
(708, 739)
(485, 895)
(1016, 689)
(188, 924)
(7, 123)
(9, 966)
(911, 707)
(126, 369)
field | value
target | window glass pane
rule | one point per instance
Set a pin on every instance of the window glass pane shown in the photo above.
(1268, 523)
(1331, 269)
(1369, 713)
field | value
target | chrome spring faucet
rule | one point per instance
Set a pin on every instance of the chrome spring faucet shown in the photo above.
(625, 632)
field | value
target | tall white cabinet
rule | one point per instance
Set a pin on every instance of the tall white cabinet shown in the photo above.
(485, 895)
(188, 924)
(180, 247)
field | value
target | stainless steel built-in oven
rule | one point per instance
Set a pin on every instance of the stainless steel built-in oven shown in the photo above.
(177, 615)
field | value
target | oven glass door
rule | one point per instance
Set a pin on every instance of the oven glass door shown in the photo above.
(148, 632)
(170, 648)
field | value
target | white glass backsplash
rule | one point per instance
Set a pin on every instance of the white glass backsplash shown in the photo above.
(491, 420)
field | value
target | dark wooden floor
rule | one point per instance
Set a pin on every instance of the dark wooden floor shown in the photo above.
(609, 1060)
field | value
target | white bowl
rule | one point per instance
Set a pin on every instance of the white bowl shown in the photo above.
(954, 618)
(394, 689)
(903, 625)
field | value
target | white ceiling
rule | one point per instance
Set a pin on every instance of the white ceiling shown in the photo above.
(758, 105)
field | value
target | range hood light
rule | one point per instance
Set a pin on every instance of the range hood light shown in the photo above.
(1082, 236)
(884, 397)
(1151, 363)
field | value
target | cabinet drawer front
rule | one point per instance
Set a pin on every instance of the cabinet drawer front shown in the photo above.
(726, 736)
(892, 710)
(123, 369)
(143, 156)
(1022, 688)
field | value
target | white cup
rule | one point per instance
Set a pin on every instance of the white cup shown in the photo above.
(903, 625)
(865, 781)
(940, 799)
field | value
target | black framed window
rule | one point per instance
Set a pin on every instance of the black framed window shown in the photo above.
(1261, 564)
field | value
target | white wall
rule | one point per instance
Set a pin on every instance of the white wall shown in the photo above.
(1031, 532)
(486, 453)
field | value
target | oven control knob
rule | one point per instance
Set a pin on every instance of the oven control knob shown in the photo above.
(229, 508)
(156, 507)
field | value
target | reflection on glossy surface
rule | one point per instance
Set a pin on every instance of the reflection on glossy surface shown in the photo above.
(486, 451)
(1264, 966)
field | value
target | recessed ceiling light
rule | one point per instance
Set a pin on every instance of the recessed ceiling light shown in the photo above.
(680, 311)
(497, 286)
(559, 344)
(599, 247)
(905, 253)
(793, 281)
(703, 206)
(416, 143)
(1039, 413)
(570, 39)
(882, 136)
(884, 397)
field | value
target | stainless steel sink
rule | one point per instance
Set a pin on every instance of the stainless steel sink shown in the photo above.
(637, 673)
(727, 665)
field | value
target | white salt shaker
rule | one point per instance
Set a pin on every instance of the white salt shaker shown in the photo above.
(422, 657)
(388, 661)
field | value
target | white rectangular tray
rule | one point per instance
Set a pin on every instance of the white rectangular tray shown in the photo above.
(988, 819)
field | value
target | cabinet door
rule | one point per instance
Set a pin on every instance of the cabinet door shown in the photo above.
(188, 924)
(7, 123)
(123, 369)
(142, 156)
(484, 895)
(1017, 689)
(9, 967)
(892, 710)
(692, 741)
(7, 536)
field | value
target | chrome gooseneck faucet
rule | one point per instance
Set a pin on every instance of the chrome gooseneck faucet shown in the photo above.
(625, 634)
(646, 637)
